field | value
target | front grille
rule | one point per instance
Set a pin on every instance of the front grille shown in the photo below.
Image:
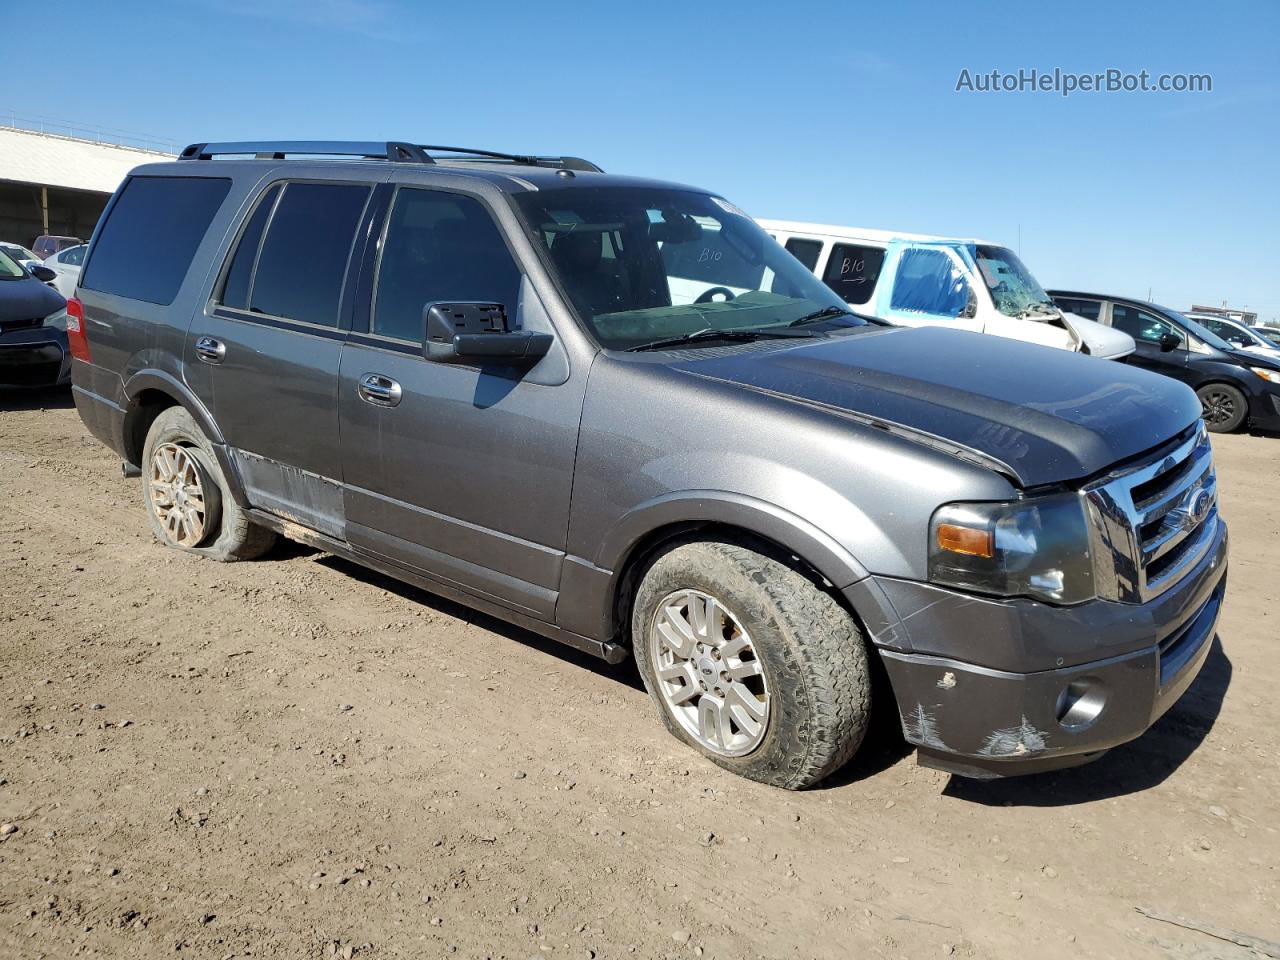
(1153, 522)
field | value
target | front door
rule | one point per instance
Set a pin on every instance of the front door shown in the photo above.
(929, 289)
(263, 357)
(1153, 340)
(461, 472)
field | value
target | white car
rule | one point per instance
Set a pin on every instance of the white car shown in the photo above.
(16, 251)
(1238, 335)
(66, 264)
(918, 281)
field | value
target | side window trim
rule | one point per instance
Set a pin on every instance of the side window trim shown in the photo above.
(342, 326)
(380, 246)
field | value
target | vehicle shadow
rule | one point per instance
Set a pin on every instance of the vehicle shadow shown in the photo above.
(40, 398)
(623, 673)
(1131, 768)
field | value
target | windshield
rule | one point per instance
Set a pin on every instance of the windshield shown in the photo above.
(17, 252)
(1014, 290)
(648, 264)
(9, 268)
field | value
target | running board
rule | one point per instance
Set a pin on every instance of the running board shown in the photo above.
(606, 650)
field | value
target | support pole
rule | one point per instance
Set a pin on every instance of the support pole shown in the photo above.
(44, 207)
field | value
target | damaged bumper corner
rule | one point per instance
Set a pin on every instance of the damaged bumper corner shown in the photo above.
(981, 722)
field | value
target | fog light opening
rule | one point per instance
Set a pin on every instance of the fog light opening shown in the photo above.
(1080, 703)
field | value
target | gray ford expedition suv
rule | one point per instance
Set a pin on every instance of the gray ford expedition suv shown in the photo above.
(615, 412)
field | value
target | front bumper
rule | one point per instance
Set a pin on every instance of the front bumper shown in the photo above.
(1264, 409)
(984, 720)
(34, 357)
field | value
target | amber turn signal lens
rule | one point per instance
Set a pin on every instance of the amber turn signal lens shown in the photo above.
(965, 540)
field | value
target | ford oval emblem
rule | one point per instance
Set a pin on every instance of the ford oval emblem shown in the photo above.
(1198, 506)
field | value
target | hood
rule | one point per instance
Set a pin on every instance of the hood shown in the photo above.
(28, 299)
(1101, 340)
(1044, 416)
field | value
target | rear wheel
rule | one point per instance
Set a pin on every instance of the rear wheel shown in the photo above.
(1223, 406)
(751, 663)
(186, 495)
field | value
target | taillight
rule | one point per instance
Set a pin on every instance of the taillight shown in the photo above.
(77, 340)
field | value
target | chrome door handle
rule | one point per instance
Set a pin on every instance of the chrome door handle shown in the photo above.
(379, 390)
(210, 350)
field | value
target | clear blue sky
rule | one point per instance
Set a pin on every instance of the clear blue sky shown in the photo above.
(836, 112)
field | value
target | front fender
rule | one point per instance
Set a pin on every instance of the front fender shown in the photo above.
(815, 546)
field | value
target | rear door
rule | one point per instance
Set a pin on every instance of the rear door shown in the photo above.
(460, 472)
(263, 356)
(1150, 349)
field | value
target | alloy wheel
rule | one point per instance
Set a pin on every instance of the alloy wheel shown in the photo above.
(709, 675)
(1218, 406)
(176, 490)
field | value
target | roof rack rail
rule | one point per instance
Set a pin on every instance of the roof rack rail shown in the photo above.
(395, 151)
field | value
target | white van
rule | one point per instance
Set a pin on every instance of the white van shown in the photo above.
(919, 281)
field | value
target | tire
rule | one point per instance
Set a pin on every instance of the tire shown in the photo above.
(224, 532)
(1224, 407)
(809, 654)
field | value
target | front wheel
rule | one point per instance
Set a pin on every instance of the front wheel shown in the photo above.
(750, 663)
(1223, 406)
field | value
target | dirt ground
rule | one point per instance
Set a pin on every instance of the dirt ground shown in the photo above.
(297, 758)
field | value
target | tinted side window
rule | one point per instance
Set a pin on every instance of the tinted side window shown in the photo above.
(806, 251)
(852, 271)
(439, 247)
(235, 286)
(304, 256)
(73, 257)
(1141, 325)
(1089, 309)
(145, 247)
(928, 282)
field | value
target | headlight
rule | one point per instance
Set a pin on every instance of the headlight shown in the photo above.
(57, 320)
(1265, 374)
(1031, 548)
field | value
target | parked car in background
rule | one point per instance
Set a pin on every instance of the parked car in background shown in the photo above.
(47, 245)
(917, 280)
(614, 411)
(66, 264)
(33, 328)
(1270, 334)
(1237, 334)
(16, 251)
(1235, 386)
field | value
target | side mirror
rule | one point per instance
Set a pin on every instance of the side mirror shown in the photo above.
(42, 273)
(1170, 341)
(971, 306)
(478, 332)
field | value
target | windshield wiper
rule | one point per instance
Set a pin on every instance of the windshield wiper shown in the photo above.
(824, 314)
(711, 334)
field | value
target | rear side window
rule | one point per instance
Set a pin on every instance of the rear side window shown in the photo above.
(145, 247)
(439, 247)
(304, 255)
(806, 251)
(1089, 309)
(74, 257)
(235, 286)
(853, 270)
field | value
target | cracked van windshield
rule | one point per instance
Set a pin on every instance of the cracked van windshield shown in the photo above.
(1014, 290)
(643, 266)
